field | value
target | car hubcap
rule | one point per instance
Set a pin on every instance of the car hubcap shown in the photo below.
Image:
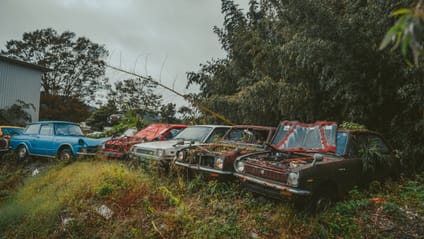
(65, 156)
(22, 152)
(323, 204)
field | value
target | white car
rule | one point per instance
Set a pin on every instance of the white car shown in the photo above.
(162, 152)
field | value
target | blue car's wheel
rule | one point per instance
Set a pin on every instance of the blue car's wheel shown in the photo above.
(65, 154)
(22, 153)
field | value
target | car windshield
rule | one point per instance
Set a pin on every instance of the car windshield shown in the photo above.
(12, 131)
(197, 133)
(246, 135)
(318, 137)
(129, 132)
(68, 130)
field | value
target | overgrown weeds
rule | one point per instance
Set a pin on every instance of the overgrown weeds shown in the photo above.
(62, 202)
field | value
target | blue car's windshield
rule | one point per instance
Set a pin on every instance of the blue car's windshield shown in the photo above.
(68, 130)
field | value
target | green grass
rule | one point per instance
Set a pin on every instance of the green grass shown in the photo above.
(146, 205)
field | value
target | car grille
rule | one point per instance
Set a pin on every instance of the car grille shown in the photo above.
(145, 151)
(207, 161)
(265, 173)
(91, 149)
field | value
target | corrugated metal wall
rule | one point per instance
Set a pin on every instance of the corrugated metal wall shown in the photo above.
(20, 83)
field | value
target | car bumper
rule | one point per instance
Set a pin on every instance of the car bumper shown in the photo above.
(115, 155)
(149, 160)
(84, 154)
(283, 189)
(204, 169)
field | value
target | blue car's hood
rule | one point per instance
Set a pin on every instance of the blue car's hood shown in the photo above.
(92, 142)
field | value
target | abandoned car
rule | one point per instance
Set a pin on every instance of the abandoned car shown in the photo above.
(217, 159)
(118, 147)
(6, 132)
(53, 139)
(316, 163)
(163, 152)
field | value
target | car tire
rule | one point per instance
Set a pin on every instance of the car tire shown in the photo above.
(22, 153)
(322, 200)
(65, 154)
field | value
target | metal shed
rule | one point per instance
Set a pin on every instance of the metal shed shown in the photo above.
(20, 81)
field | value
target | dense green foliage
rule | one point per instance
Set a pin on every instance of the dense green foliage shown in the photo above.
(62, 202)
(69, 108)
(314, 60)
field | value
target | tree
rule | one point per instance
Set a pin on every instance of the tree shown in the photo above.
(76, 64)
(407, 32)
(167, 113)
(16, 114)
(55, 107)
(137, 95)
(99, 118)
(313, 60)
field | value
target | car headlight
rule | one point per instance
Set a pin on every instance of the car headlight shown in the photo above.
(219, 163)
(160, 152)
(182, 155)
(240, 166)
(293, 179)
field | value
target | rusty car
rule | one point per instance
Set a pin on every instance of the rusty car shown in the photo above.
(162, 153)
(6, 132)
(118, 147)
(216, 159)
(316, 164)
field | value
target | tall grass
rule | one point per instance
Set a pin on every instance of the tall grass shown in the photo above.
(146, 205)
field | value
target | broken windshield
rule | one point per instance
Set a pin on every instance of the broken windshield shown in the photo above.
(316, 137)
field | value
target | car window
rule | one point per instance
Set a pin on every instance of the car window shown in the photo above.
(68, 130)
(32, 129)
(46, 129)
(172, 133)
(362, 142)
(217, 134)
(341, 142)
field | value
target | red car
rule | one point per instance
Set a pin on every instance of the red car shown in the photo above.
(118, 148)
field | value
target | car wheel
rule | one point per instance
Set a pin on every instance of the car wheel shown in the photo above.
(321, 201)
(65, 154)
(22, 153)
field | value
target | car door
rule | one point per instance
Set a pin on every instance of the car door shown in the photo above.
(347, 169)
(370, 154)
(44, 142)
(30, 138)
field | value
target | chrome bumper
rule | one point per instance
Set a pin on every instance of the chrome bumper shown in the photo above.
(200, 168)
(266, 183)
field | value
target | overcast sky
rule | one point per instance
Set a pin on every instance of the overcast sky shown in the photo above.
(161, 38)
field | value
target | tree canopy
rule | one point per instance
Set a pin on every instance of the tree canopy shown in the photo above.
(76, 64)
(313, 60)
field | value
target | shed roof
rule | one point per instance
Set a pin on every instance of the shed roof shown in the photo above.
(24, 64)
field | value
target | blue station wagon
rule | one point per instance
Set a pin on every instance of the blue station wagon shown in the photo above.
(53, 139)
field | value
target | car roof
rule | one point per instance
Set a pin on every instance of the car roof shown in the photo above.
(53, 122)
(210, 125)
(253, 126)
